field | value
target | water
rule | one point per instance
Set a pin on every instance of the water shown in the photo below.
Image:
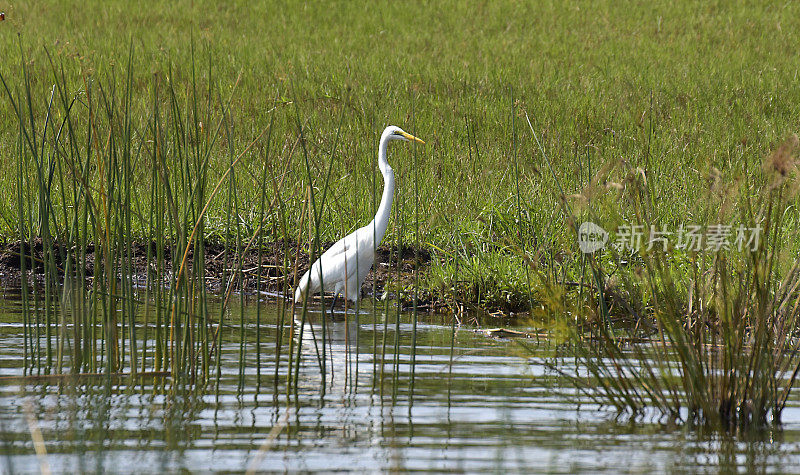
(489, 405)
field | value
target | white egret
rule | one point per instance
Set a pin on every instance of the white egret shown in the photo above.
(344, 266)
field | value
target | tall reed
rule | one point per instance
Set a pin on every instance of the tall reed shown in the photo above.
(79, 168)
(717, 349)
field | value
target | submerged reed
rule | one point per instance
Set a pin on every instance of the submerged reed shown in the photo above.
(719, 348)
(79, 167)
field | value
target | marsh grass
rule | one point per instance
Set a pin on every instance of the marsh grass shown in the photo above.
(718, 348)
(90, 308)
(716, 90)
(162, 149)
(78, 167)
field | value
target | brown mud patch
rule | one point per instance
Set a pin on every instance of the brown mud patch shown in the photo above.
(281, 264)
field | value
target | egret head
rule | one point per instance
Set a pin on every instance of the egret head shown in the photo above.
(396, 133)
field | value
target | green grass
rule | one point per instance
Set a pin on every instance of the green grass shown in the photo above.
(677, 90)
(720, 344)
(245, 123)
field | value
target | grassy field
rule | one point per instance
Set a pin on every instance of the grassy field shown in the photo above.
(691, 98)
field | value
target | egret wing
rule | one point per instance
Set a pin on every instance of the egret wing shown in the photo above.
(340, 246)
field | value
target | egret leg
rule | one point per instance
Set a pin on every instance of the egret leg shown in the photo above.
(335, 298)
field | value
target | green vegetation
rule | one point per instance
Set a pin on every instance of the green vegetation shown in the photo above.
(721, 348)
(677, 90)
(243, 124)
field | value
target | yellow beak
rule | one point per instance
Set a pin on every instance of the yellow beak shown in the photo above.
(412, 138)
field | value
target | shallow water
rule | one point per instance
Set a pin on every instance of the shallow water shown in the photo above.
(489, 405)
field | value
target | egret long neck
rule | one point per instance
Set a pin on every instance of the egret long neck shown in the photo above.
(381, 221)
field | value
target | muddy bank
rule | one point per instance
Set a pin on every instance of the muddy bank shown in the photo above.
(281, 263)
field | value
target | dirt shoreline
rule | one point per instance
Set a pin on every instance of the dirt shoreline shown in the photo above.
(277, 263)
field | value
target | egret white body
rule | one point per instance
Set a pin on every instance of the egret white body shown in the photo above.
(344, 266)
